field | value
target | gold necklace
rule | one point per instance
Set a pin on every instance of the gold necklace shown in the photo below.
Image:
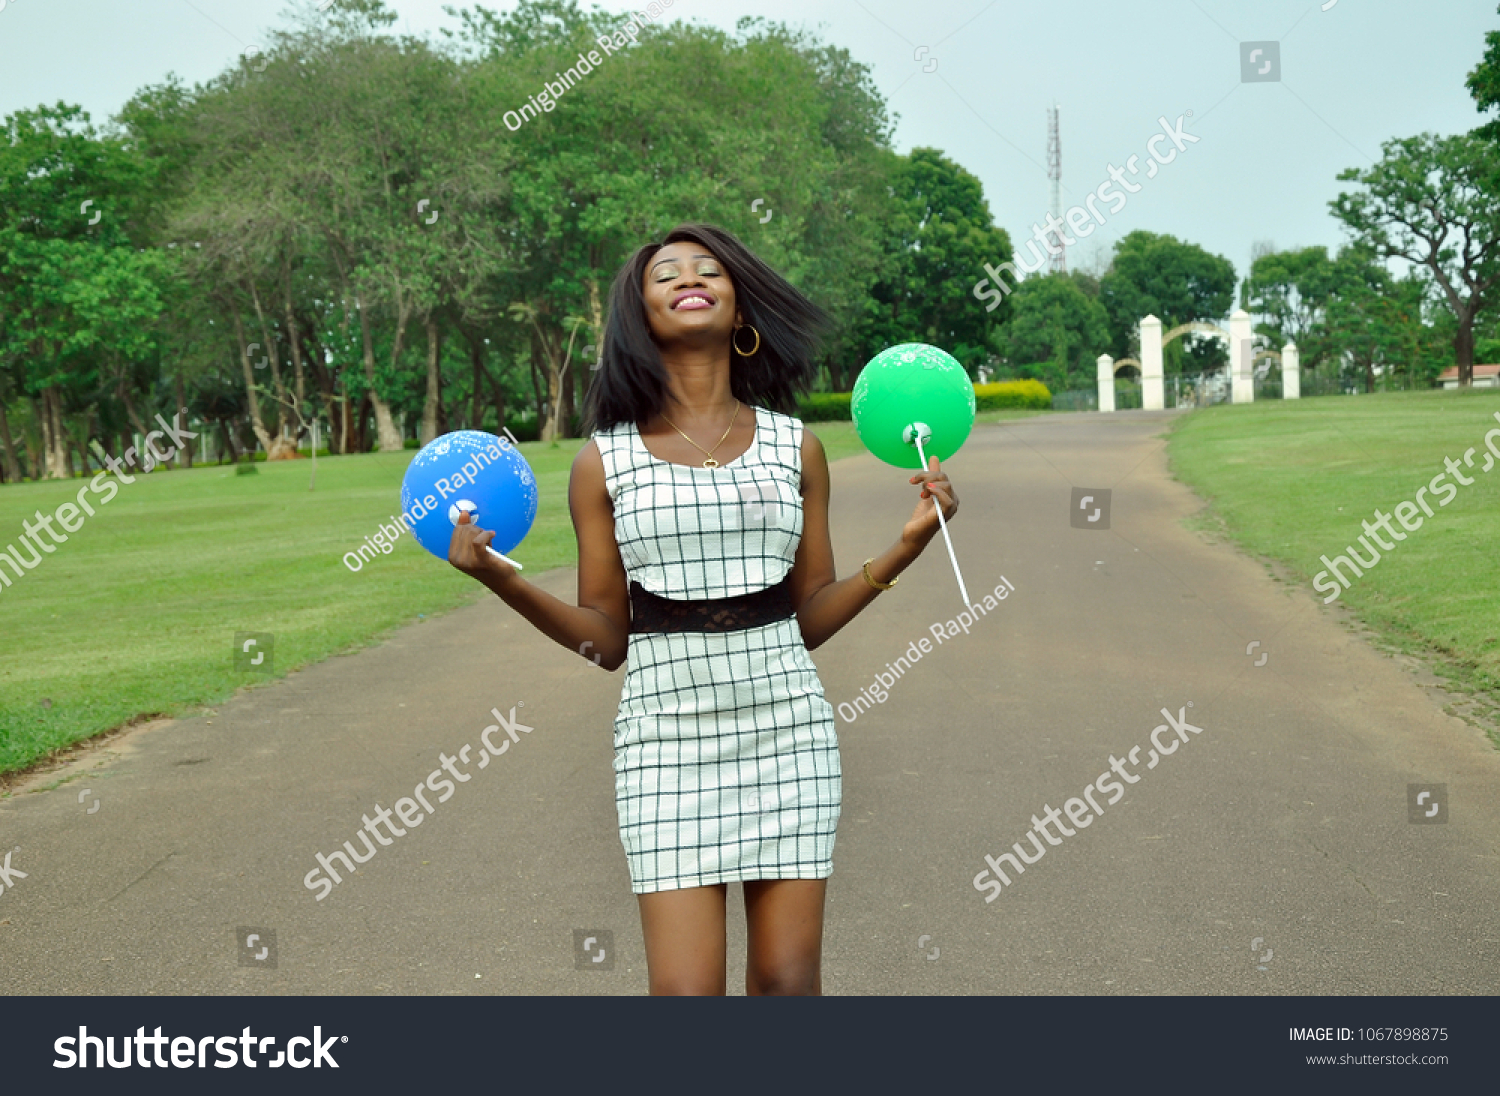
(710, 462)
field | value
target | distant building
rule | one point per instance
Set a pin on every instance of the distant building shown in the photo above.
(1485, 376)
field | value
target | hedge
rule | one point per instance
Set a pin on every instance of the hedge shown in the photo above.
(834, 406)
(531, 429)
(525, 429)
(1028, 393)
(824, 407)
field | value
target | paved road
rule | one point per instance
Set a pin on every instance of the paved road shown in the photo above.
(1283, 822)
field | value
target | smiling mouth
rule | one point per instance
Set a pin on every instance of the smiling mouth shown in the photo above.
(693, 302)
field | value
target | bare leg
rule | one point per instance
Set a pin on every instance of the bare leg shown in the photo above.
(785, 921)
(686, 945)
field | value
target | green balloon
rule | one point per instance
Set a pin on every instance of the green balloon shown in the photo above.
(908, 384)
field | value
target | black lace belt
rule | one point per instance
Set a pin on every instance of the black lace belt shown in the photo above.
(653, 613)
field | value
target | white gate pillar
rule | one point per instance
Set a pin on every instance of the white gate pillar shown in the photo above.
(1106, 383)
(1291, 372)
(1153, 398)
(1242, 356)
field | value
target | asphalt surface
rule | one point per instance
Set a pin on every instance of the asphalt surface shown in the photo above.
(1271, 853)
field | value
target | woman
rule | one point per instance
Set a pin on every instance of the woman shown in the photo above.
(703, 553)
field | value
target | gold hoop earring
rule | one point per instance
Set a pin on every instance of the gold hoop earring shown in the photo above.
(733, 341)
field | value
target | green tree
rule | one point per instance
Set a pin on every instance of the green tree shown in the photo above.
(1054, 320)
(840, 239)
(78, 299)
(1161, 275)
(341, 182)
(1348, 312)
(1289, 290)
(939, 234)
(1435, 202)
(1484, 84)
(1374, 322)
(609, 168)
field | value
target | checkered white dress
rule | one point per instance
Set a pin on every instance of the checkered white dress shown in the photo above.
(726, 757)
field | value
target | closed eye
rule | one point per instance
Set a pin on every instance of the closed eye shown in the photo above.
(704, 270)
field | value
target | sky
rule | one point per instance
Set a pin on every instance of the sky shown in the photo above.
(974, 78)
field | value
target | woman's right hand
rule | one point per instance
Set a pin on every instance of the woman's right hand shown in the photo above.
(469, 551)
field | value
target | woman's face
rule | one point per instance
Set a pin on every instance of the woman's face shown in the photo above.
(689, 297)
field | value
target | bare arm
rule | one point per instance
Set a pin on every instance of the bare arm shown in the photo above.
(600, 623)
(825, 603)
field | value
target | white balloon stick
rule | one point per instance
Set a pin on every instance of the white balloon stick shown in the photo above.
(943, 524)
(507, 559)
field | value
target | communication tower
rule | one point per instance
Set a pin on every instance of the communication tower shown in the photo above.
(1054, 173)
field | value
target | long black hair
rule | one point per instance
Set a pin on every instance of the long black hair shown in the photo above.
(631, 383)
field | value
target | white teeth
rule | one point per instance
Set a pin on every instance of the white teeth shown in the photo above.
(685, 300)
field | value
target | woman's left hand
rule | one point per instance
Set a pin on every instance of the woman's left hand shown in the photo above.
(936, 490)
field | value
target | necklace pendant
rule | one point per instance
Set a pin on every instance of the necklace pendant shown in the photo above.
(710, 463)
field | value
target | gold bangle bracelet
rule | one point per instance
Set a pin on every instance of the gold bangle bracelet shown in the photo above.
(871, 579)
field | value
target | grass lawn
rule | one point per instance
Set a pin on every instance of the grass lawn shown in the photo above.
(1006, 414)
(136, 614)
(1294, 480)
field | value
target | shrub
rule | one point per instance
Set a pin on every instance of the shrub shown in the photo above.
(992, 397)
(246, 468)
(824, 407)
(834, 406)
(531, 429)
(525, 429)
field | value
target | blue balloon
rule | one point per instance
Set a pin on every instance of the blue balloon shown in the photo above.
(472, 471)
